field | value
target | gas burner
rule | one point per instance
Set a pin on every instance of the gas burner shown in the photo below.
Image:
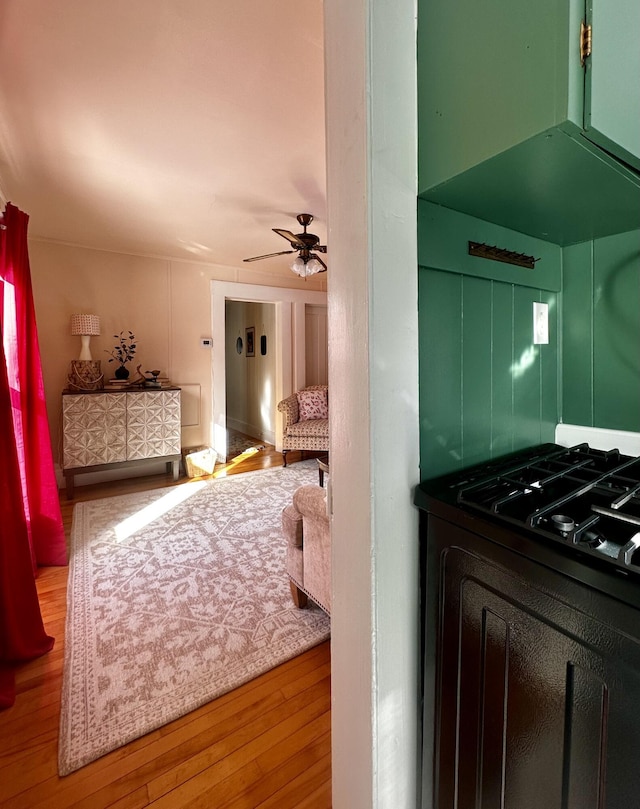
(564, 525)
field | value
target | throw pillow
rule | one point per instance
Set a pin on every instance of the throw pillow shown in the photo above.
(312, 404)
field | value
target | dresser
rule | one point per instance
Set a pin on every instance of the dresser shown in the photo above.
(106, 430)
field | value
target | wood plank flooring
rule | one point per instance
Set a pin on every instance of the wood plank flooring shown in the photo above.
(262, 746)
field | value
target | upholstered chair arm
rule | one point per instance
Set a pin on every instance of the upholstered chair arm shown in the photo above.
(311, 502)
(292, 526)
(289, 407)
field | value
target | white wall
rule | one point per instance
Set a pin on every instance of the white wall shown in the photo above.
(373, 369)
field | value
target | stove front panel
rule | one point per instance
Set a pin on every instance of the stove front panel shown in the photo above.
(537, 684)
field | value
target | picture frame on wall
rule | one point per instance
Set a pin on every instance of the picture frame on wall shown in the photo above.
(250, 335)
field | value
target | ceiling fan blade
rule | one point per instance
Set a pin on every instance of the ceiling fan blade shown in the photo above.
(290, 237)
(270, 255)
(321, 248)
(317, 258)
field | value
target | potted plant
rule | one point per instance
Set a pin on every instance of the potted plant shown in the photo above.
(123, 352)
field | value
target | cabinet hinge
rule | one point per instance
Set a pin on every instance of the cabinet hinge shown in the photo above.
(585, 42)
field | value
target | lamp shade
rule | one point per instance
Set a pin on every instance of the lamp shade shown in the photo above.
(85, 324)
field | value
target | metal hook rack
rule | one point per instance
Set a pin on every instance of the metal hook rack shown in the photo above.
(482, 250)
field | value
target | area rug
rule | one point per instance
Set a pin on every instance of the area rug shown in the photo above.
(175, 597)
(238, 443)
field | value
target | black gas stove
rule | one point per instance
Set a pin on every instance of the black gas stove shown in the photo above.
(530, 609)
(588, 500)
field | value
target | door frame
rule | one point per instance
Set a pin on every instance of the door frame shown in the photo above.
(289, 347)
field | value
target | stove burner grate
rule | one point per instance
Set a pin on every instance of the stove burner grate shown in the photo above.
(587, 499)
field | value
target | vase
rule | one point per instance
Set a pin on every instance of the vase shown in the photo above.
(121, 372)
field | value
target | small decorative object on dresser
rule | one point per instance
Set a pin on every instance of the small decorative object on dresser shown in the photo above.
(123, 352)
(85, 376)
(151, 379)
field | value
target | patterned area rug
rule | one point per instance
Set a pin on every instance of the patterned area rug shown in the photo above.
(238, 443)
(176, 596)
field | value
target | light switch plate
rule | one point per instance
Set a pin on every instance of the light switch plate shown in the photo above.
(540, 323)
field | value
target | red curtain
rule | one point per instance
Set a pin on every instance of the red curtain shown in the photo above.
(31, 531)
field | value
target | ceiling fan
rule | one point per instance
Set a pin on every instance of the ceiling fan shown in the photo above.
(307, 262)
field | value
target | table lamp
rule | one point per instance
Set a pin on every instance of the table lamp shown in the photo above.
(85, 326)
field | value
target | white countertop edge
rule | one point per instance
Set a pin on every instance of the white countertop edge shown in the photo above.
(568, 435)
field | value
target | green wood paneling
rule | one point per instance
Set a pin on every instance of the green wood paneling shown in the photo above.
(485, 389)
(476, 312)
(601, 333)
(577, 335)
(527, 392)
(551, 405)
(443, 244)
(502, 417)
(616, 332)
(440, 346)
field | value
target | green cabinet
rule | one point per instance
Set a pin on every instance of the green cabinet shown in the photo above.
(612, 80)
(513, 130)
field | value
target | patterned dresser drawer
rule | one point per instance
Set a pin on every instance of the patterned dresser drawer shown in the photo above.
(153, 424)
(94, 429)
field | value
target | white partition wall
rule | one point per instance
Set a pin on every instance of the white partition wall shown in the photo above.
(373, 375)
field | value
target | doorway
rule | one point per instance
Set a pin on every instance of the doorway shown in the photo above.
(289, 347)
(250, 373)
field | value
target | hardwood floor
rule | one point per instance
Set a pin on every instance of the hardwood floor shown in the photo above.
(265, 745)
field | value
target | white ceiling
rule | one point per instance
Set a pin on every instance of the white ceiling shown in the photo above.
(179, 128)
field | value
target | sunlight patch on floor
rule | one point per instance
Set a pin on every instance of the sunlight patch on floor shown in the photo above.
(149, 513)
(222, 473)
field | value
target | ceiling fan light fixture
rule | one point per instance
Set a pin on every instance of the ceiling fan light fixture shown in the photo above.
(305, 268)
(314, 266)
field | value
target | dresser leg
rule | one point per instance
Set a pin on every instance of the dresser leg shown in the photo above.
(176, 469)
(69, 480)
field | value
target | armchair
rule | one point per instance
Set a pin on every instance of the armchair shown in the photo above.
(305, 525)
(306, 420)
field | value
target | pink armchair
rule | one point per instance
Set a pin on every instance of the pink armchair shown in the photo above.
(306, 529)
